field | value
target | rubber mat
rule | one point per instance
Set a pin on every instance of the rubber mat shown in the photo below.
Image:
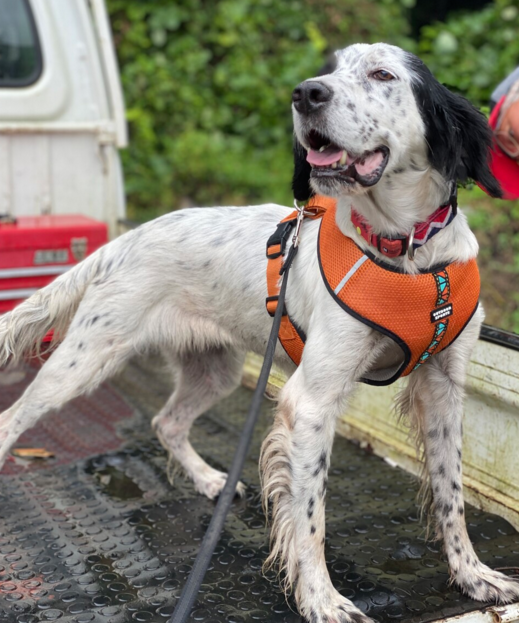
(108, 539)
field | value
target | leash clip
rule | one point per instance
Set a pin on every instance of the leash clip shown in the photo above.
(301, 213)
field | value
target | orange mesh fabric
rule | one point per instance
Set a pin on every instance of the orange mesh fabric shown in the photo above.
(423, 313)
(289, 336)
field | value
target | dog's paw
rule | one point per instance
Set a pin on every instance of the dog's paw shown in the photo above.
(484, 584)
(211, 482)
(333, 609)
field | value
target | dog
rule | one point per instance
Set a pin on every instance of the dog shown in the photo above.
(192, 284)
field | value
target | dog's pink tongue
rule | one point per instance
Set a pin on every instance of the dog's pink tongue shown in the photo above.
(323, 158)
(371, 163)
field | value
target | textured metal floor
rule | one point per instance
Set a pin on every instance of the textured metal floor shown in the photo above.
(107, 539)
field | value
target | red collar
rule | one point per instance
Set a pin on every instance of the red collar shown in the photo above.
(395, 246)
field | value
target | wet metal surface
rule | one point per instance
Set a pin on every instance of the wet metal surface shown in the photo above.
(108, 539)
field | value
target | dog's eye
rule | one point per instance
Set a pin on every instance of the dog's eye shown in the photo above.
(382, 74)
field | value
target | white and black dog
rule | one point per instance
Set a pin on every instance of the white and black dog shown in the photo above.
(192, 284)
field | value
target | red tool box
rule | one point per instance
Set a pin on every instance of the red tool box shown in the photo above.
(36, 249)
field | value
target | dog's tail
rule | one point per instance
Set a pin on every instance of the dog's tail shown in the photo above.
(53, 307)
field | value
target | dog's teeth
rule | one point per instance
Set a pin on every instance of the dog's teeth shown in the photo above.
(344, 157)
(334, 165)
(321, 149)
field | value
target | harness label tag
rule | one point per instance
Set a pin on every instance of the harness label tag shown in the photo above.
(441, 312)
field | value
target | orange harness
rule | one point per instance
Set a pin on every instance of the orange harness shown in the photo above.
(422, 314)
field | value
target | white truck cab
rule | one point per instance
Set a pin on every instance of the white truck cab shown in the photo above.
(62, 118)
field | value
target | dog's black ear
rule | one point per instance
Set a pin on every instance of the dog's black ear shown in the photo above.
(302, 170)
(458, 135)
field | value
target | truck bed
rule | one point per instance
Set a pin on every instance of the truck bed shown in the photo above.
(98, 534)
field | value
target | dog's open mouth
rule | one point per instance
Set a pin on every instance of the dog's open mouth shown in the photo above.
(329, 160)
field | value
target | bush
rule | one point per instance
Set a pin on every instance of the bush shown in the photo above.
(208, 88)
(472, 52)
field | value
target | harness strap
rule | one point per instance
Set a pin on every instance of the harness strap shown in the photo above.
(291, 336)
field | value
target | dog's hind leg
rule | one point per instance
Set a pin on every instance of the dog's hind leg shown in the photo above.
(79, 364)
(201, 379)
(436, 396)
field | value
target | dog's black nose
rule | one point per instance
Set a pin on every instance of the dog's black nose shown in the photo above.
(310, 96)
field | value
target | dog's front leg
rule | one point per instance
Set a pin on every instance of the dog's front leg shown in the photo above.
(294, 464)
(438, 398)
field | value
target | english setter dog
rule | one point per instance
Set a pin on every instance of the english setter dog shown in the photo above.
(192, 284)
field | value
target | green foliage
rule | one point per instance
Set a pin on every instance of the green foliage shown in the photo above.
(208, 88)
(472, 52)
(208, 85)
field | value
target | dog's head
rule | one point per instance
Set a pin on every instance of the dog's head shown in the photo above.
(380, 111)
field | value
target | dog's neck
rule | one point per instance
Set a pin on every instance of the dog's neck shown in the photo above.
(396, 204)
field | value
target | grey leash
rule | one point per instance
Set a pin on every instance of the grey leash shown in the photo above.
(211, 537)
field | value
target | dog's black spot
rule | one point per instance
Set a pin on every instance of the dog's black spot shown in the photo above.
(94, 320)
(80, 346)
(323, 490)
(357, 617)
(459, 453)
(455, 486)
(461, 511)
(399, 134)
(318, 428)
(447, 509)
(387, 92)
(321, 464)
(312, 530)
(355, 119)
(445, 432)
(206, 264)
(399, 170)
(351, 106)
(456, 538)
(313, 617)
(449, 524)
(72, 364)
(441, 470)
(457, 550)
